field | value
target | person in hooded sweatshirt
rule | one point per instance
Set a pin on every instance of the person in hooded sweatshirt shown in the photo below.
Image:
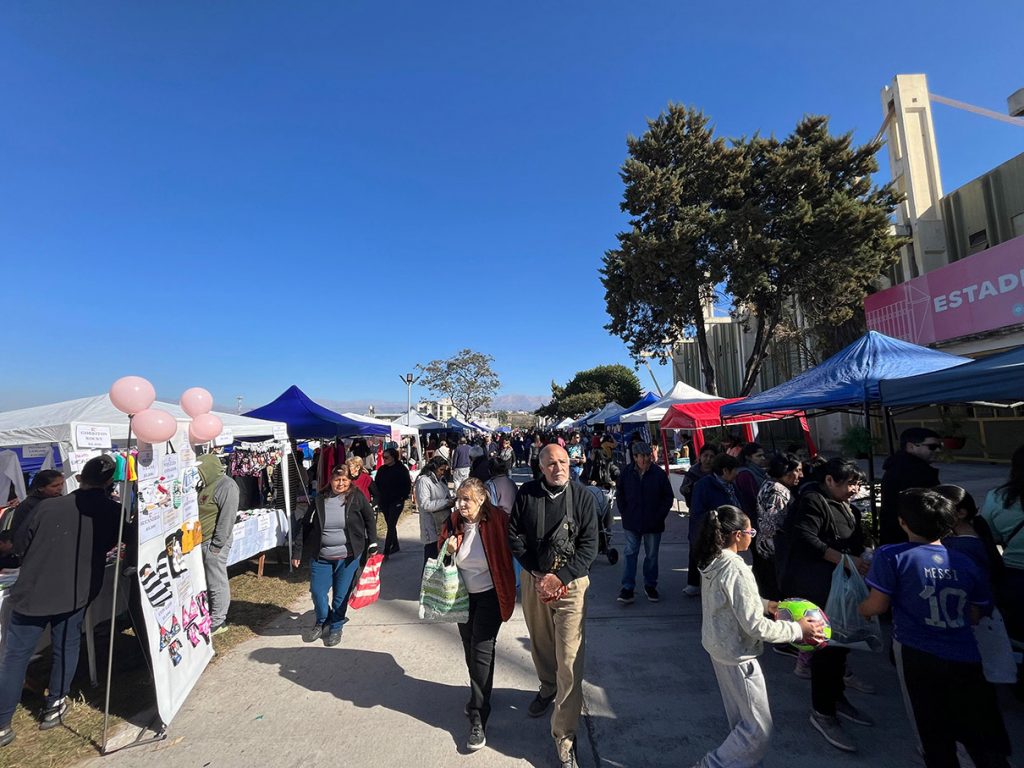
(910, 467)
(734, 629)
(218, 507)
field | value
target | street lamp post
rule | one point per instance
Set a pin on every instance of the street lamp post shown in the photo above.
(408, 379)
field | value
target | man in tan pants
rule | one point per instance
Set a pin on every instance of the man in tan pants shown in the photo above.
(553, 534)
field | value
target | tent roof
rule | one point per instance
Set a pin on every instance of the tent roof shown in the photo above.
(564, 424)
(481, 427)
(459, 425)
(708, 413)
(306, 418)
(849, 378)
(421, 422)
(995, 378)
(680, 393)
(647, 400)
(394, 427)
(54, 423)
(610, 409)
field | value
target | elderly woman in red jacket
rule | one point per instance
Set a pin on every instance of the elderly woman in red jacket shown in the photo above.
(477, 536)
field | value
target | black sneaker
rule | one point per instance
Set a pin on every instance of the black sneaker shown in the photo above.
(6, 736)
(477, 739)
(625, 596)
(333, 638)
(312, 634)
(539, 705)
(652, 594)
(52, 715)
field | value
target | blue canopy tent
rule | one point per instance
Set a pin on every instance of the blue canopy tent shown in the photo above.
(455, 425)
(848, 381)
(306, 418)
(481, 427)
(998, 378)
(649, 399)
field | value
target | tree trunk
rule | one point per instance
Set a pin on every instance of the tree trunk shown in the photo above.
(753, 366)
(707, 367)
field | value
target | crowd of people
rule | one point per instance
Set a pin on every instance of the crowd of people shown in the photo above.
(762, 526)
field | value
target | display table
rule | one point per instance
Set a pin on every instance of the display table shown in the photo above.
(97, 613)
(256, 531)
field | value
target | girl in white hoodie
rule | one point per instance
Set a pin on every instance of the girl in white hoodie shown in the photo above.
(735, 626)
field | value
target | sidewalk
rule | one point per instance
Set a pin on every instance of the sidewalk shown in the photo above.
(392, 693)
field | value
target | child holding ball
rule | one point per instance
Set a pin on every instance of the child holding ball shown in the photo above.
(735, 626)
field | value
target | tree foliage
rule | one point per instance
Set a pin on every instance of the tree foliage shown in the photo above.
(662, 275)
(787, 228)
(467, 378)
(592, 389)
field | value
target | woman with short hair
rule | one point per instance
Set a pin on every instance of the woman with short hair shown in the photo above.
(434, 501)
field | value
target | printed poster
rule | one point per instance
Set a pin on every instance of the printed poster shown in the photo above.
(175, 606)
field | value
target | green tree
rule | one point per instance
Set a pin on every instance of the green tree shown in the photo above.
(808, 232)
(502, 417)
(592, 389)
(662, 276)
(467, 378)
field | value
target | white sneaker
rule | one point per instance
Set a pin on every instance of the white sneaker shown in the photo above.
(691, 591)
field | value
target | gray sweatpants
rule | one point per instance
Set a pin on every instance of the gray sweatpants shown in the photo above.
(218, 590)
(746, 706)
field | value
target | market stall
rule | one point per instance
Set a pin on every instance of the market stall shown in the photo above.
(995, 379)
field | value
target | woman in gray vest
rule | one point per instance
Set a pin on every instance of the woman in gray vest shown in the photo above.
(344, 536)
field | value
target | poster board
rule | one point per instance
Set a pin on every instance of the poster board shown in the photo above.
(172, 581)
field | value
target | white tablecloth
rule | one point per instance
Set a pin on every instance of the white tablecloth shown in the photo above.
(266, 529)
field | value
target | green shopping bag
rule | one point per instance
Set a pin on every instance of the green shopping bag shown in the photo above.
(443, 596)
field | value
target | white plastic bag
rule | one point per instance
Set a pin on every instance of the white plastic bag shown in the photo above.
(997, 659)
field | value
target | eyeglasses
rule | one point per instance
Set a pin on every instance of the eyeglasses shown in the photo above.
(930, 446)
(752, 532)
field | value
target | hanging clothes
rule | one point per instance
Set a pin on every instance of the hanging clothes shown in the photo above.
(11, 476)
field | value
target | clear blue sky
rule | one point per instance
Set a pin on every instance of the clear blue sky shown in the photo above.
(246, 195)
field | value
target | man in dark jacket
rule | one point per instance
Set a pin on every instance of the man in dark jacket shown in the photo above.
(553, 534)
(63, 546)
(644, 498)
(910, 467)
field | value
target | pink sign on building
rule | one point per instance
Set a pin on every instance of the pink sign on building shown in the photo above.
(980, 293)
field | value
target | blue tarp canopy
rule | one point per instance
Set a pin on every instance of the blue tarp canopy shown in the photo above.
(649, 399)
(308, 419)
(998, 378)
(848, 379)
(456, 425)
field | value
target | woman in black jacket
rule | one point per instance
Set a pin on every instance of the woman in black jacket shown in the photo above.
(393, 487)
(821, 529)
(344, 536)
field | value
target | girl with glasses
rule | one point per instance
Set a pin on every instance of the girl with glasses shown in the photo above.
(736, 625)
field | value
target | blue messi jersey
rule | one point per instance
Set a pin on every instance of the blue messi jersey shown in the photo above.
(931, 589)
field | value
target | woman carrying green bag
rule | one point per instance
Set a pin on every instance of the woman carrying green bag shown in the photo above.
(477, 538)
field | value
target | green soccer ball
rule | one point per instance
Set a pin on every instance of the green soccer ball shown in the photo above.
(796, 608)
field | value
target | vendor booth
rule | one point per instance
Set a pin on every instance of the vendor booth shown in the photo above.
(609, 410)
(995, 379)
(681, 393)
(646, 401)
(700, 415)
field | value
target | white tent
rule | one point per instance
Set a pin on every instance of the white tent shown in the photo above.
(681, 393)
(421, 422)
(397, 429)
(607, 412)
(58, 422)
(563, 424)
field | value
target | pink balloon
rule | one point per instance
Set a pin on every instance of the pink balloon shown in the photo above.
(132, 394)
(205, 427)
(196, 401)
(154, 426)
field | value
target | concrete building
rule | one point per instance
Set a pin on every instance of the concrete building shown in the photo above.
(442, 410)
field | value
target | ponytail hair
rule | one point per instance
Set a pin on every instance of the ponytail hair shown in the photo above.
(718, 525)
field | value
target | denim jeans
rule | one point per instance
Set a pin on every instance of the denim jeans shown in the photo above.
(651, 542)
(22, 638)
(331, 576)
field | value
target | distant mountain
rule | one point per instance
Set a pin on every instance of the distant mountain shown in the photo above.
(511, 402)
(518, 402)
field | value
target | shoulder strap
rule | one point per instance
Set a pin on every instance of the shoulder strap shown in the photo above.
(1017, 529)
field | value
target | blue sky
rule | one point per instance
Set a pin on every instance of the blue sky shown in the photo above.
(249, 195)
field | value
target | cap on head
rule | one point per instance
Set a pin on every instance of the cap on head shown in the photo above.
(642, 449)
(98, 470)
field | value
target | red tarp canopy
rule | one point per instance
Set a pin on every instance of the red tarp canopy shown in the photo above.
(699, 416)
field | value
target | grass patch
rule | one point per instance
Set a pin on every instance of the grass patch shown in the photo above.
(255, 602)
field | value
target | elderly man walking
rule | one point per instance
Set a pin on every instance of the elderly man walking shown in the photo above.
(553, 535)
(645, 498)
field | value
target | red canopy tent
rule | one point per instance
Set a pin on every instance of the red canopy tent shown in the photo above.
(698, 416)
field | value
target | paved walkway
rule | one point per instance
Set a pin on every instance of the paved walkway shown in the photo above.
(392, 693)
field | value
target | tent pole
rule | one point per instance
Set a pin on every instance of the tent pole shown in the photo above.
(286, 446)
(890, 429)
(125, 490)
(871, 471)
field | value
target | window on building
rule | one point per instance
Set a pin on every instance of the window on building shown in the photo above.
(977, 242)
(1017, 224)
